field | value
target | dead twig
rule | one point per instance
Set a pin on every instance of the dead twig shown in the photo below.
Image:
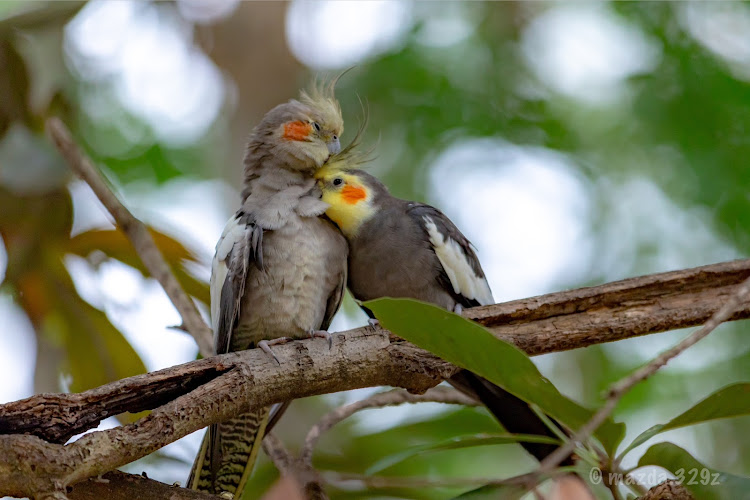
(381, 400)
(277, 452)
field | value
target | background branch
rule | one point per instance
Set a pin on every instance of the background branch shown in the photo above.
(277, 452)
(136, 232)
(381, 400)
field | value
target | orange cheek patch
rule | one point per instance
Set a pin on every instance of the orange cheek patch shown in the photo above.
(353, 195)
(296, 131)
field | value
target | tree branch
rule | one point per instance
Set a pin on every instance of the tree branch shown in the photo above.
(618, 390)
(136, 232)
(617, 310)
(277, 452)
(33, 467)
(238, 382)
(118, 485)
(548, 323)
(381, 400)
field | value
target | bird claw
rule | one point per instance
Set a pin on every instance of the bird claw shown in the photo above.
(265, 346)
(373, 323)
(458, 309)
(323, 335)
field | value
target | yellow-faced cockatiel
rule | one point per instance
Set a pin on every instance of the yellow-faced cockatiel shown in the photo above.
(400, 248)
(279, 269)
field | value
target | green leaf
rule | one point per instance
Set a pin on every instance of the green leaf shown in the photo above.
(469, 345)
(705, 483)
(458, 443)
(731, 401)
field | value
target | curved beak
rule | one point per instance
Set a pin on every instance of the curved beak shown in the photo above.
(334, 146)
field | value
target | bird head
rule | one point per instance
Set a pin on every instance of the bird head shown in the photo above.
(301, 133)
(353, 195)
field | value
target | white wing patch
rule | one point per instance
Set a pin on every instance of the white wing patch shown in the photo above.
(232, 234)
(457, 266)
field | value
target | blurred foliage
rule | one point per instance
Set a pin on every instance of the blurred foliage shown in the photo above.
(681, 124)
(74, 338)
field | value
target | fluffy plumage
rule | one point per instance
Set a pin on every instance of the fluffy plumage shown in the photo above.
(298, 135)
(401, 248)
(279, 268)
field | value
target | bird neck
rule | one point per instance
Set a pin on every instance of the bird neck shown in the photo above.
(290, 167)
(351, 218)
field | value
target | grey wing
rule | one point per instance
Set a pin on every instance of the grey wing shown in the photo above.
(462, 274)
(334, 301)
(240, 247)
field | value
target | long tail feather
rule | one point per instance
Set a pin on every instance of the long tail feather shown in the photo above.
(514, 414)
(236, 446)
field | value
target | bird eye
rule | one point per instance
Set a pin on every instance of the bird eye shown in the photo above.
(338, 181)
(335, 137)
(317, 127)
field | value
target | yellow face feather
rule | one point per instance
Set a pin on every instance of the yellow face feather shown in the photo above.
(349, 198)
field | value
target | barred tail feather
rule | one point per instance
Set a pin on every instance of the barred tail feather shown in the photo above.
(238, 442)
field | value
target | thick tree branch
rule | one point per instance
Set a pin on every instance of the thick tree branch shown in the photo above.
(30, 466)
(617, 310)
(58, 417)
(237, 382)
(136, 232)
(117, 485)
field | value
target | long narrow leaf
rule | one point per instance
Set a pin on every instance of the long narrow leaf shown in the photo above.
(731, 401)
(469, 345)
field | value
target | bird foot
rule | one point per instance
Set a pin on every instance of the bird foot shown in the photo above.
(458, 309)
(373, 323)
(265, 345)
(323, 335)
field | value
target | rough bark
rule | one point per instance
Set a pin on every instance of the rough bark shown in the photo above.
(31, 466)
(117, 485)
(617, 310)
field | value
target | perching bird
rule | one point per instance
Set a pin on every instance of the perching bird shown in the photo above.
(279, 269)
(400, 248)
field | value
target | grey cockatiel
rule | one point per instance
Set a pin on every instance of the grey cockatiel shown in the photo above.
(401, 248)
(279, 269)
